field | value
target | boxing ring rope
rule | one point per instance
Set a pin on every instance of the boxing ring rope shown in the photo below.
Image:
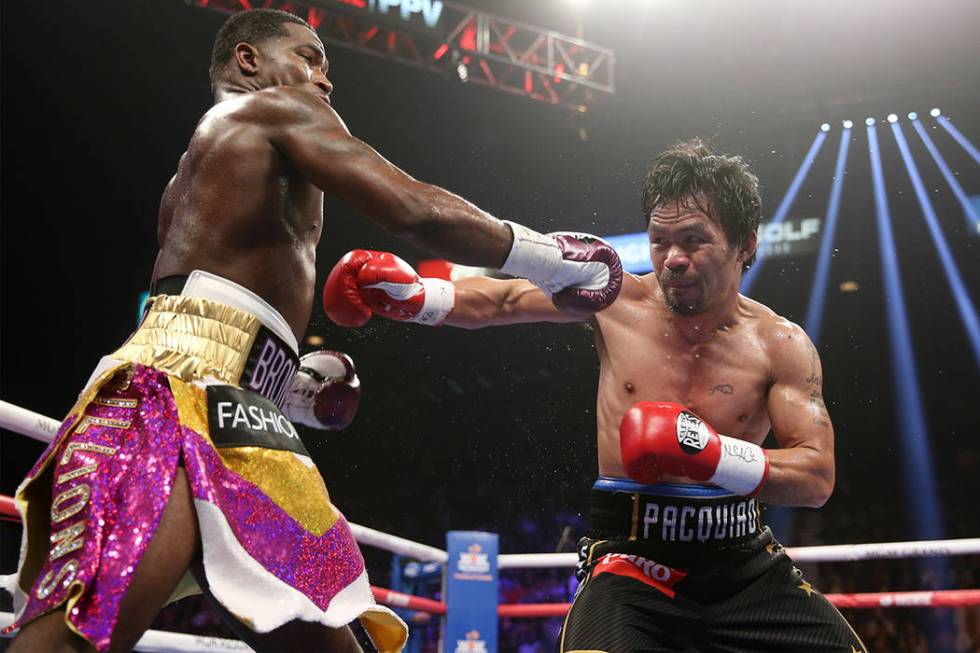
(42, 428)
(830, 553)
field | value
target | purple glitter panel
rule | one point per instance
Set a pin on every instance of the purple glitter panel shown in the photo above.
(317, 566)
(127, 493)
(136, 450)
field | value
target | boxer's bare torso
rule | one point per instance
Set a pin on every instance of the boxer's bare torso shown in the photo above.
(722, 372)
(239, 209)
(247, 200)
(743, 369)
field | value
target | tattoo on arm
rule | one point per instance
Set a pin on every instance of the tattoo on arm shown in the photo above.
(814, 378)
(723, 388)
(818, 409)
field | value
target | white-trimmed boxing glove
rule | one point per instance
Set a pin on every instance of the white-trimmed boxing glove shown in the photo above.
(581, 272)
(325, 393)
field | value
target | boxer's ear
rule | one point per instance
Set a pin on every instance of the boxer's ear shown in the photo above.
(246, 58)
(747, 250)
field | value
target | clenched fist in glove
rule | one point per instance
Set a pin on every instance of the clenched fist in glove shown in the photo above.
(325, 393)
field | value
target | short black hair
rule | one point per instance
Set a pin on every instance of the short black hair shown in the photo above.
(693, 169)
(252, 26)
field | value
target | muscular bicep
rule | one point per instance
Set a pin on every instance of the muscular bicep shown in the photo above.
(315, 140)
(483, 301)
(320, 147)
(802, 470)
(797, 410)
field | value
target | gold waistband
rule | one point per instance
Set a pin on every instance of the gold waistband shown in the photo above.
(193, 338)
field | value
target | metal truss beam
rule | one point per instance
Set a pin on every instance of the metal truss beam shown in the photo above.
(446, 38)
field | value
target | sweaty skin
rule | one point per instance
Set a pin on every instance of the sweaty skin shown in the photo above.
(247, 200)
(737, 364)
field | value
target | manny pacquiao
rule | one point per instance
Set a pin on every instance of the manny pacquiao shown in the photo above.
(178, 456)
(677, 558)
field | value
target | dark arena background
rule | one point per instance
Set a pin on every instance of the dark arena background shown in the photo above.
(861, 119)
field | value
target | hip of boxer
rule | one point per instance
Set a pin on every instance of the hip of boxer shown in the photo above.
(688, 527)
(199, 384)
(673, 567)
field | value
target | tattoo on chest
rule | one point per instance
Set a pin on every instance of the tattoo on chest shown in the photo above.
(723, 388)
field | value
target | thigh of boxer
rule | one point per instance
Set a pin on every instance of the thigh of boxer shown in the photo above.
(781, 611)
(617, 611)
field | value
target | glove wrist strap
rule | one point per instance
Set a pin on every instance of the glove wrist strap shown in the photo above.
(439, 302)
(533, 256)
(742, 468)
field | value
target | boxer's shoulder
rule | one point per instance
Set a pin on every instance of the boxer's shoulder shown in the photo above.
(635, 288)
(634, 295)
(786, 342)
(273, 107)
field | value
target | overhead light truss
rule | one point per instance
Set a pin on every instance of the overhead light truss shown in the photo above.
(468, 45)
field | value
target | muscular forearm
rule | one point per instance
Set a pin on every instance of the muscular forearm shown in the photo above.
(483, 302)
(446, 225)
(798, 476)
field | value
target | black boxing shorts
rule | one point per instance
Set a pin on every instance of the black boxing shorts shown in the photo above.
(670, 567)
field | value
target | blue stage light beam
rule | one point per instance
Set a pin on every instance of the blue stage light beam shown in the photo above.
(748, 279)
(968, 313)
(968, 207)
(818, 292)
(960, 138)
(921, 495)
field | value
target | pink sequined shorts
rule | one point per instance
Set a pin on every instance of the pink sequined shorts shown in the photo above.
(274, 546)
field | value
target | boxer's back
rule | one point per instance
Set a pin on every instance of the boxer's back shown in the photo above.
(238, 209)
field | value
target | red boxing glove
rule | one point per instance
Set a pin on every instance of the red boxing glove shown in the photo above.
(325, 393)
(658, 438)
(365, 282)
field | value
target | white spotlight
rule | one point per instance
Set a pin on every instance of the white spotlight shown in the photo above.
(935, 113)
(847, 124)
(869, 121)
(892, 117)
(913, 115)
(825, 127)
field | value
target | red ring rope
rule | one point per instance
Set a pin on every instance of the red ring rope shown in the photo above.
(935, 599)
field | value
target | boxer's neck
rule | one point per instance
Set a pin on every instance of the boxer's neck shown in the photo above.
(721, 314)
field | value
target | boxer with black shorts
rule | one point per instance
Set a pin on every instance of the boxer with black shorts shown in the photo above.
(677, 558)
(179, 468)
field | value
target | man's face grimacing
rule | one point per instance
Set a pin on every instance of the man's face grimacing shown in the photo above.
(297, 59)
(692, 258)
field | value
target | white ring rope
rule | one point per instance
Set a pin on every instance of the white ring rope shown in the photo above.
(398, 545)
(835, 553)
(159, 641)
(26, 422)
